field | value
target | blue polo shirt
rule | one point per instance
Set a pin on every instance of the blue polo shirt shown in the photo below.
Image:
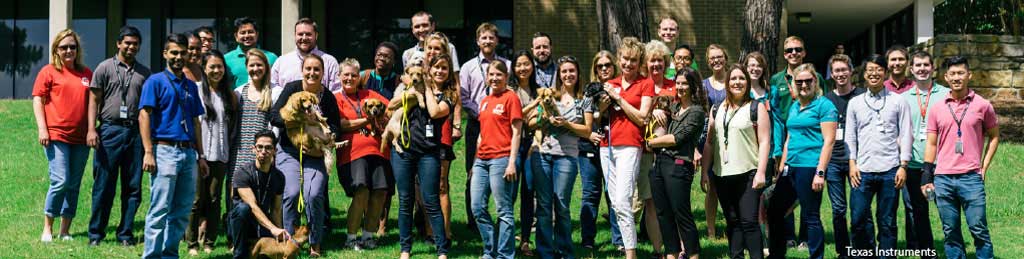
(174, 102)
(804, 129)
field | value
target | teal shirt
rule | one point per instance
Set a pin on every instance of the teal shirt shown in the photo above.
(235, 60)
(804, 128)
(780, 101)
(916, 101)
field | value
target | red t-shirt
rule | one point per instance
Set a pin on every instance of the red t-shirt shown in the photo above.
(361, 144)
(67, 94)
(496, 115)
(623, 131)
(667, 88)
(446, 129)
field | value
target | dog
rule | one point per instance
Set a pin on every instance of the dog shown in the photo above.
(376, 113)
(664, 104)
(413, 80)
(307, 128)
(271, 248)
(547, 107)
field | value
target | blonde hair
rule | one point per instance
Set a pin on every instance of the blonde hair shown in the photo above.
(725, 53)
(593, 65)
(656, 48)
(486, 27)
(632, 47)
(56, 60)
(794, 38)
(437, 36)
(265, 103)
(807, 67)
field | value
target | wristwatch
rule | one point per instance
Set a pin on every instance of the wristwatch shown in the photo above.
(201, 157)
(819, 173)
(457, 126)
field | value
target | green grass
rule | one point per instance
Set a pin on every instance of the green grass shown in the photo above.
(24, 180)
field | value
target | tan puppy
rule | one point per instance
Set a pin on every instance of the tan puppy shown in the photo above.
(270, 247)
(307, 128)
(548, 107)
(413, 80)
(376, 114)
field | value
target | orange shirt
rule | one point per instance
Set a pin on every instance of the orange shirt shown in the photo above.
(67, 94)
(350, 107)
(496, 115)
(623, 131)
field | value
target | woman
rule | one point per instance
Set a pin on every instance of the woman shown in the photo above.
(418, 159)
(715, 87)
(363, 170)
(602, 69)
(657, 58)
(254, 99)
(558, 155)
(217, 127)
(525, 86)
(310, 174)
(760, 91)
(810, 137)
(59, 98)
(436, 46)
(494, 170)
(674, 166)
(739, 148)
(627, 102)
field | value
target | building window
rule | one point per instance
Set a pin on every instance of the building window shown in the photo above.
(24, 35)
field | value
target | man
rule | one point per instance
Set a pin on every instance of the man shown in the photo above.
(794, 53)
(423, 25)
(839, 50)
(957, 129)
(194, 65)
(290, 67)
(169, 110)
(682, 57)
(114, 101)
(545, 67)
(206, 36)
(925, 94)
(897, 82)
(382, 78)
(878, 136)
(257, 200)
(668, 29)
(839, 165)
(472, 90)
(246, 37)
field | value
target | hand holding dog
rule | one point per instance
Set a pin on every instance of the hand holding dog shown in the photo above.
(280, 234)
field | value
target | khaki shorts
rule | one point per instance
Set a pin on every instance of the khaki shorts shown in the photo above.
(643, 182)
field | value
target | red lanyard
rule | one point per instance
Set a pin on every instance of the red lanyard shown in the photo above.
(924, 108)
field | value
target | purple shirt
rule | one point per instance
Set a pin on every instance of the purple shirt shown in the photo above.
(979, 117)
(473, 78)
(288, 68)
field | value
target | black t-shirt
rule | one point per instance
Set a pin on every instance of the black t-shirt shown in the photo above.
(263, 185)
(419, 122)
(839, 148)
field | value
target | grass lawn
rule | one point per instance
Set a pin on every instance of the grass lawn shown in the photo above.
(23, 173)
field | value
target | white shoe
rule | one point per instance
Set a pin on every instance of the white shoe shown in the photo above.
(354, 244)
(66, 238)
(46, 238)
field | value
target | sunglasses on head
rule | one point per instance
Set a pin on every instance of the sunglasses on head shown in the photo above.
(794, 50)
(564, 59)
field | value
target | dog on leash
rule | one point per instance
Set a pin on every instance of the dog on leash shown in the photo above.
(376, 114)
(414, 80)
(307, 128)
(548, 107)
(663, 103)
(269, 247)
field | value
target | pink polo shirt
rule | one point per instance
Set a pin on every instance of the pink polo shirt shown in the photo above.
(899, 88)
(980, 117)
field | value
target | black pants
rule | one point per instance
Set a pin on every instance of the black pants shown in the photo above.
(670, 189)
(740, 204)
(243, 228)
(918, 229)
(472, 132)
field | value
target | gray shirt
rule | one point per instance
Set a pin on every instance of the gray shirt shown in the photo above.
(878, 131)
(215, 131)
(562, 141)
(121, 85)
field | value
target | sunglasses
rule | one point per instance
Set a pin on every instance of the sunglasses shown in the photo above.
(604, 66)
(794, 50)
(804, 82)
(68, 47)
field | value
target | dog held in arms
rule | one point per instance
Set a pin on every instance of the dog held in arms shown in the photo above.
(547, 107)
(307, 128)
(662, 103)
(269, 247)
(413, 79)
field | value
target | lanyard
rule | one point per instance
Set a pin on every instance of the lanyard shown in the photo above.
(923, 107)
(359, 110)
(125, 84)
(483, 75)
(879, 110)
(181, 97)
(728, 120)
(963, 115)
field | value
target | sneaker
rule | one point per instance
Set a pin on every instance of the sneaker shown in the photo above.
(46, 238)
(66, 238)
(193, 252)
(802, 246)
(368, 243)
(354, 244)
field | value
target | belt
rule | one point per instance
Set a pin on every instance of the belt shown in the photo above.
(177, 144)
(122, 122)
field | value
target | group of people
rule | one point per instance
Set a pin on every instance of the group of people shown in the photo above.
(644, 127)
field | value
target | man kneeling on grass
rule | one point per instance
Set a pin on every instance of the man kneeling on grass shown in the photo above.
(258, 188)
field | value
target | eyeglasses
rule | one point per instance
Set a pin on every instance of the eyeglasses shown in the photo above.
(794, 50)
(804, 82)
(262, 148)
(604, 66)
(68, 47)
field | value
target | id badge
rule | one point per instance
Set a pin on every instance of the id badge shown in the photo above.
(725, 156)
(959, 147)
(922, 133)
(590, 155)
(785, 170)
(840, 132)
(429, 130)
(123, 111)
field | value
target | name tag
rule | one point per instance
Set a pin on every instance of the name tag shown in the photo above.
(429, 130)
(840, 132)
(123, 114)
(922, 133)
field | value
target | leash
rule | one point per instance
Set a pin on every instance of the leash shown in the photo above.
(649, 131)
(302, 202)
(405, 134)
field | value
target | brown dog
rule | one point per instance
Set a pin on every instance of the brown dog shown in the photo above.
(271, 248)
(376, 114)
(548, 105)
(663, 103)
(307, 128)
(413, 80)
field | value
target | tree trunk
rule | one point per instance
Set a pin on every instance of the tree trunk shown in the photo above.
(761, 29)
(620, 19)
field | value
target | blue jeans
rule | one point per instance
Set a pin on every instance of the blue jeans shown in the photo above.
(835, 178)
(67, 164)
(488, 177)
(792, 187)
(956, 192)
(426, 168)
(119, 155)
(555, 180)
(882, 185)
(592, 181)
(314, 178)
(244, 228)
(172, 190)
